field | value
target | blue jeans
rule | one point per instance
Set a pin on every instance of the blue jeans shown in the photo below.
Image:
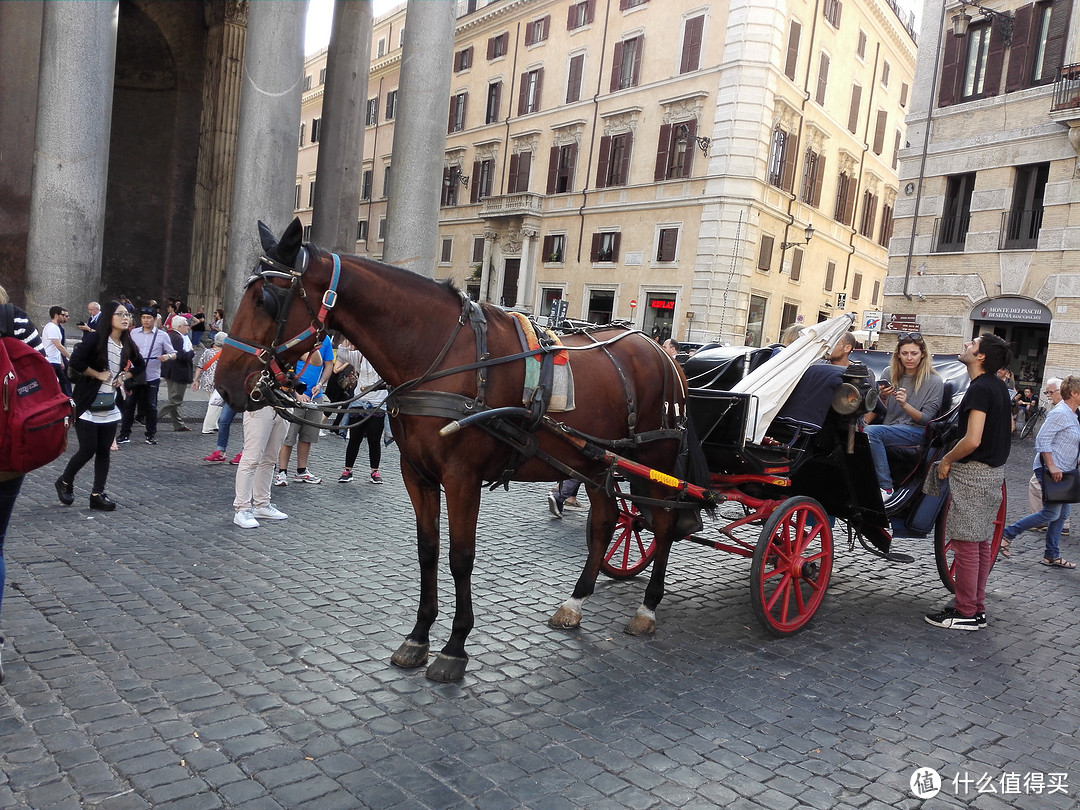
(9, 491)
(882, 436)
(224, 426)
(1053, 516)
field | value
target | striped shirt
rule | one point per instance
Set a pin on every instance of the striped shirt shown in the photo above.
(1059, 436)
(24, 329)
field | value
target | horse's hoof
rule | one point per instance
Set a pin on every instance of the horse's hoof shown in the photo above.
(447, 668)
(643, 623)
(410, 655)
(565, 619)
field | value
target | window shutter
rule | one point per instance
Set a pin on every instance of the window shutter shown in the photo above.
(1056, 34)
(639, 57)
(822, 79)
(791, 151)
(830, 273)
(856, 286)
(879, 131)
(615, 240)
(950, 69)
(491, 48)
(474, 192)
(849, 199)
(663, 149)
(853, 111)
(616, 67)
(688, 163)
(453, 114)
(995, 58)
(573, 84)
(691, 51)
(624, 162)
(498, 100)
(513, 180)
(1019, 70)
(594, 253)
(792, 50)
(590, 6)
(602, 161)
(764, 261)
(523, 168)
(523, 93)
(796, 264)
(819, 172)
(545, 27)
(624, 5)
(539, 88)
(668, 242)
(549, 247)
(571, 16)
(553, 169)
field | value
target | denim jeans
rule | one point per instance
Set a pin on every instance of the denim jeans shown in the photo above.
(9, 491)
(224, 426)
(882, 436)
(1052, 516)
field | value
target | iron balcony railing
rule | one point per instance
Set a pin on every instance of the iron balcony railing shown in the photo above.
(1067, 89)
(950, 233)
(1020, 229)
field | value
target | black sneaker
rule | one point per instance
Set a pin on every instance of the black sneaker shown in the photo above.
(951, 620)
(980, 620)
(151, 440)
(124, 440)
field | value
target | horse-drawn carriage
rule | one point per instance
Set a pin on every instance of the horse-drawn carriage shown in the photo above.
(776, 439)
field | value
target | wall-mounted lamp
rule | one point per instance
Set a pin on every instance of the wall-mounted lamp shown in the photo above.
(961, 20)
(455, 176)
(809, 235)
(703, 143)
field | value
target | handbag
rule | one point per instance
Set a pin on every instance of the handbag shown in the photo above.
(1067, 490)
(103, 402)
(347, 379)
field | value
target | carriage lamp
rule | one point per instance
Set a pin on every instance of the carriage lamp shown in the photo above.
(809, 231)
(847, 399)
(961, 20)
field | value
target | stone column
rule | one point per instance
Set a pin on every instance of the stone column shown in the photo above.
(217, 152)
(412, 216)
(273, 86)
(528, 269)
(341, 142)
(485, 268)
(71, 155)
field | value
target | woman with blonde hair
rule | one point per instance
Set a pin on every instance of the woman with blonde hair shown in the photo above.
(911, 391)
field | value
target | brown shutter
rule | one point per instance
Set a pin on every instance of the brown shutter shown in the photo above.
(1057, 31)
(602, 161)
(474, 192)
(830, 273)
(639, 57)
(498, 99)
(539, 88)
(792, 50)
(571, 164)
(616, 239)
(691, 52)
(553, 169)
(573, 84)
(764, 261)
(688, 164)
(879, 131)
(819, 172)
(796, 264)
(950, 69)
(856, 286)
(849, 200)
(590, 6)
(624, 5)
(491, 48)
(668, 242)
(545, 26)
(616, 67)
(549, 247)
(570, 16)
(523, 93)
(512, 182)
(450, 119)
(791, 152)
(457, 62)
(624, 163)
(594, 253)
(524, 167)
(853, 111)
(1019, 70)
(822, 79)
(995, 58)
(663, 149)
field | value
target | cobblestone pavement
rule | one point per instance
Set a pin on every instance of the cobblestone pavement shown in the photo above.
(160, 657)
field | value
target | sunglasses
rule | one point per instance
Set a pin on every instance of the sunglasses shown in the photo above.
(916, 336)
(1048, 392)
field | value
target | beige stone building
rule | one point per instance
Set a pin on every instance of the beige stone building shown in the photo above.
(650, 160)
(987, 234)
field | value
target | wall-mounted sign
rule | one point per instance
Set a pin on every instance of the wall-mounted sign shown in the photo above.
(662, 303)
(633, 259)
(1012, 309)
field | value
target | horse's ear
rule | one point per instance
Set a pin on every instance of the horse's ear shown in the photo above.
(266, 236)
(290, 242)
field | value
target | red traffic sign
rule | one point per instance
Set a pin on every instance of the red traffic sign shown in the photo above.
(902, 326)
(633, 303)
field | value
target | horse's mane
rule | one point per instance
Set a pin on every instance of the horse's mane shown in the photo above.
(447, 284)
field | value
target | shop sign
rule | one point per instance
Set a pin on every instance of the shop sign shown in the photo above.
(1011, 309)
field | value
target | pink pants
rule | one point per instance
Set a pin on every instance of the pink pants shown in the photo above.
(970, 570)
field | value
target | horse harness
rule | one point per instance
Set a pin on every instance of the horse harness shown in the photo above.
(515, 426)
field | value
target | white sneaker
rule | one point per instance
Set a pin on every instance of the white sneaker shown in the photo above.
(307, 478)
(245, 519)
(269, 512)
(281, 479)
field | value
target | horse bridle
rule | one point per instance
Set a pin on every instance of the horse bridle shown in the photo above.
(277, 301)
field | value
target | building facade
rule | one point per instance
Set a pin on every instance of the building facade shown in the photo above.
(655, 161)
(987, 234)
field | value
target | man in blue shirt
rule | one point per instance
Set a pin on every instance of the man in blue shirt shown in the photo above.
(312, 372)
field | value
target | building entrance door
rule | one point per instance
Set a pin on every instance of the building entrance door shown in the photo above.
(509, 293)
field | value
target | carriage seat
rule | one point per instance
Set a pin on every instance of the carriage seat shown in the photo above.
(903, 458)
(809, 403)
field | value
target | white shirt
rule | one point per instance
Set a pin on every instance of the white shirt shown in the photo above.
(49, 332)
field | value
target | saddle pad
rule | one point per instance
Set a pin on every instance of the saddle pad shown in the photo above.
(562, 394)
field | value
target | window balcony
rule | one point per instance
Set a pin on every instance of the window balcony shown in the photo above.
(950, 234)
(1067, 92)
(512, 205)
(1020, 229)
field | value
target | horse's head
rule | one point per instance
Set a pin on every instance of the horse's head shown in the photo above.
(281, 315)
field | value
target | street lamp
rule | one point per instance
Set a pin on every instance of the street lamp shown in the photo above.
(809, 232)
(455, 176)
(961, 20)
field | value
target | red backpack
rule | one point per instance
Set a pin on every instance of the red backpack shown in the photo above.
(34, 413)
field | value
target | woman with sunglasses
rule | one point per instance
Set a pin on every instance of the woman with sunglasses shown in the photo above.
(911, 392)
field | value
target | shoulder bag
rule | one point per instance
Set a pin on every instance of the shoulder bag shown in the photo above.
(1067, 490)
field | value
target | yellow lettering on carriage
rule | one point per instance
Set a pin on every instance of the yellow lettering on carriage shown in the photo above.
(664, 478)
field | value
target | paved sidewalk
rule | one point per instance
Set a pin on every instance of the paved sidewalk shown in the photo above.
(159, 657)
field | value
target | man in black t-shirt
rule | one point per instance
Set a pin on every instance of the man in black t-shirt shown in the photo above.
(975, 468)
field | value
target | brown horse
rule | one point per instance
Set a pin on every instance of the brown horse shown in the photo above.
(412, 328)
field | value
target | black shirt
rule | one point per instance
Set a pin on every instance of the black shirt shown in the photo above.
(989, 394)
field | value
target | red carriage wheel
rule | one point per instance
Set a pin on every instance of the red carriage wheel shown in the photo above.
(945, 554)
(632, 543)
(791, 568)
